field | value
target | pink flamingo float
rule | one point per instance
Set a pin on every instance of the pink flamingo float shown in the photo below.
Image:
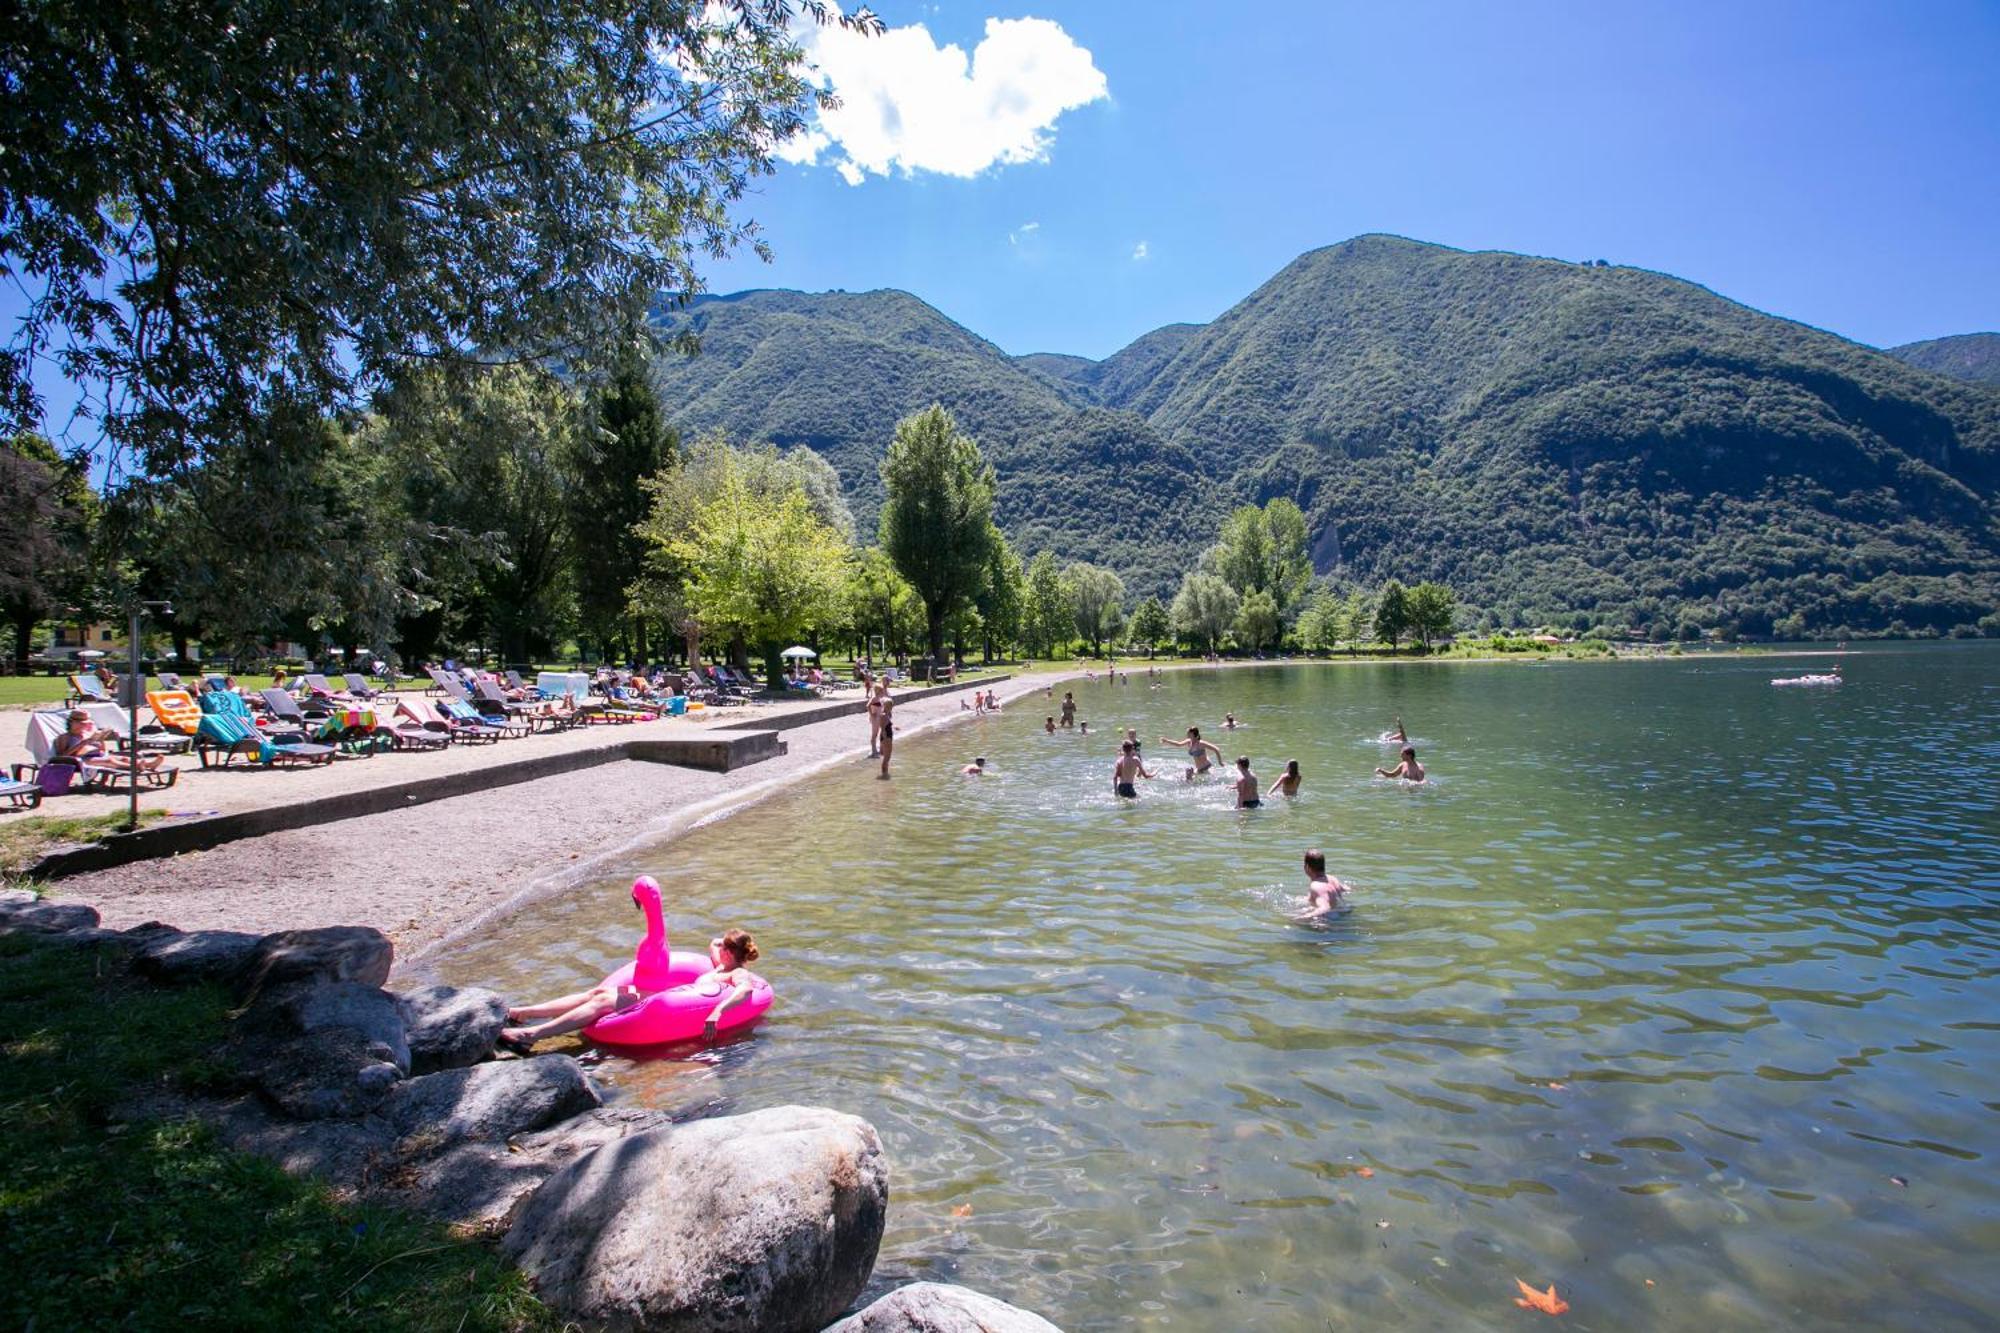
(677, 1002)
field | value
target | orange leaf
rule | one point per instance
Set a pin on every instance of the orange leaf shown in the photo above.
(1366, 1173)
(1545, 1301)
(963, 1210)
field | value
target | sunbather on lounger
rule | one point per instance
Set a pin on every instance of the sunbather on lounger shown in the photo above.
(84, 744)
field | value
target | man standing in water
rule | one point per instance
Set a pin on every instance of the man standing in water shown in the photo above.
(1124, 773)
(1069, 708)
(1409, 770)
(1323, 891)
(1198, 750)
(1246, 785)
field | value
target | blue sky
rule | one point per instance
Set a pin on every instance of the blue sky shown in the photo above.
(1834, 163)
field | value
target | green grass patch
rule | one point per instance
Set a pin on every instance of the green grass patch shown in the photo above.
(23, 838)
(156, 1225)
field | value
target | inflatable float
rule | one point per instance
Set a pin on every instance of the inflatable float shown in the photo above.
(676, 1007)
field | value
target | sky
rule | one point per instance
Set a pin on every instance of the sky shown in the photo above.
(1065, 175)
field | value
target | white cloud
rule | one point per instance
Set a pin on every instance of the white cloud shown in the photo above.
(1139, 251)
(909, 105)
(1026, 229)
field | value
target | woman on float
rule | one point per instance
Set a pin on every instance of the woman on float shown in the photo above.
(730, 980)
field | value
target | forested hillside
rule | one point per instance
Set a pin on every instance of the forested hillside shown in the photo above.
(1964, 356)
(1594, 444)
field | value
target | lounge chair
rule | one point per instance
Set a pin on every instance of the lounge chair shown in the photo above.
(425, 713)
(88, 689)
(170, 680)
(19, 791)
(489, 699)
(357, 685)
(465, 715)
(352, 730)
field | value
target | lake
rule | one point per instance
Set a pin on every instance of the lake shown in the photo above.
(1674, 989)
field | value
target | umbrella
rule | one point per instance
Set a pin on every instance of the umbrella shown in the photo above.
(91, 653)
(798, 650)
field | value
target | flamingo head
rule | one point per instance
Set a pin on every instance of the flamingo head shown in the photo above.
(645, 892)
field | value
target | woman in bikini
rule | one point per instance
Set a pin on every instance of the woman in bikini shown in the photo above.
(875, 698)
(888, 736)
(1288, 782)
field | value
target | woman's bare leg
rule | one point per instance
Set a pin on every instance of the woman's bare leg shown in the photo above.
(550, 1008)
(596, 1004)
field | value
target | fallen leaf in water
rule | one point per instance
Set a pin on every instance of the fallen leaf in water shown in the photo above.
(1366, 1173)
(1545, 1301)
(963, 1210)
(1900, 1181)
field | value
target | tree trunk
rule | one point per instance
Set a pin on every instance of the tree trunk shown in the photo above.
(774, 667)
(739, 654)
(639, 637)
(24, 629)
(935, 615)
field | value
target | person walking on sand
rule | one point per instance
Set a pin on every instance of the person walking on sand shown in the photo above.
(1069, 708)
(888, 731)
(1246, 785)
(1199, 752)
(1288, 783)
(1126, 771)
(1409, 770)
(1323, 891)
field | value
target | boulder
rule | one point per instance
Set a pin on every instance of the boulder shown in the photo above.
(301, 1008)
(343, 1151)
(480, 1184)
(199, 956)
(450, 1027)
(335, 1073)
(330, 953)
(768, 1221)
(39, 916)
(934, 1307)
(489, 1101)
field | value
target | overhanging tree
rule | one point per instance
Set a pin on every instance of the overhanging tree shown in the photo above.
(937, 521)
(206, 208)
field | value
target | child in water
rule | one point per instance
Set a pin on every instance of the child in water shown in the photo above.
(1409, 770)
(1323, 891)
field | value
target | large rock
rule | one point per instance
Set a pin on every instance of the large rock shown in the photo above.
(450, 1027)
(39, 916)
(480, 1184)
(335, 1073)
(221, 956)
(489, 1101)
(765, 1221)
(331, 953)
(304, 1007)
(933, 1307)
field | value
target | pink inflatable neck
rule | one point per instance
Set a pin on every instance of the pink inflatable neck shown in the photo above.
(650, 962)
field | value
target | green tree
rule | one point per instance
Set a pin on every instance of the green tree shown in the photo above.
(1002, 600)
(49, 506)
(1205, 608)
(878, 600)
(937, 521)
(1097, 597)
(1432, 609)
(630, 443)
(1392, 614)
(301, 199)
(762, 567)
(1319, 624)
(1049, 617)
(1150, 624)
(1266, 548)
(1257, 620)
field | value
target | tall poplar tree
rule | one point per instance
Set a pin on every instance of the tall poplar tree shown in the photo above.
(937, 522)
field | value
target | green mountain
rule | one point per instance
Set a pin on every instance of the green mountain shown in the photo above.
(1964, 356)
(1557, 441)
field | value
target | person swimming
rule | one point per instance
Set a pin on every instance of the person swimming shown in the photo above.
(1288, 783)
(1323, 891)
(977, 768)
(1246, 785)
(1229, 721)
(1050, 725)
(1198, 750)
(1127, 768)
(1409, 770)
(1132, 735)
(1397, 734)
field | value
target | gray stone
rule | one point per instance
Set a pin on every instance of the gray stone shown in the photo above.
(39, 916)
(764, 1221)
(221, 956)
(343, 1151)
(335, 1073)
(330, 953)
(481, 1184)
(450, 1027)
(934, 1307)
(305, 1007)
(489, 1101)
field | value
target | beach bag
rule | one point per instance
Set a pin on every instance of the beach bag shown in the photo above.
(54, 779)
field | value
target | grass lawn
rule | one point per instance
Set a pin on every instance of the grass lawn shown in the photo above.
(154, 1225)
(23, 838)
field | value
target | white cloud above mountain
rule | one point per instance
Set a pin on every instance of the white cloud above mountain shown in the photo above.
(909, 105)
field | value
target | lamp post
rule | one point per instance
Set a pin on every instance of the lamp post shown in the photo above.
(133, 692)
